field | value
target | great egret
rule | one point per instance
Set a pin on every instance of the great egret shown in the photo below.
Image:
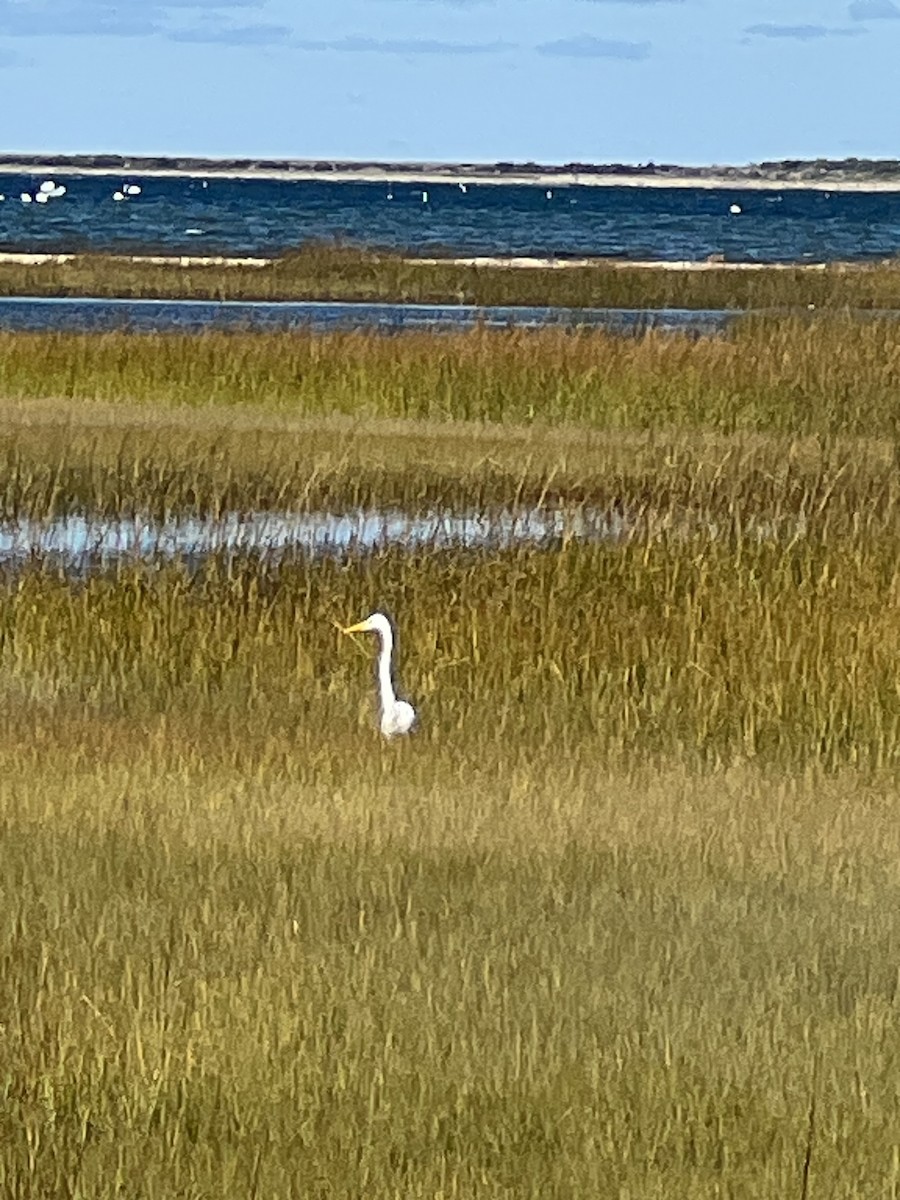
(396, 715)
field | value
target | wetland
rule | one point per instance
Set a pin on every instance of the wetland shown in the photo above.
(622, 911)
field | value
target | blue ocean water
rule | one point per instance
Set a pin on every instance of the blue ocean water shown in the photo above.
(33, 313)
(189, 215)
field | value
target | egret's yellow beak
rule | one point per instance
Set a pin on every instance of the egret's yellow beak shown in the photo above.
(360, 627)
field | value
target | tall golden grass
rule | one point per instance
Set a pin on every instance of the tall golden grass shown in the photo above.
(334, 272)
(594, 927)
(619, 919)
(824, 377)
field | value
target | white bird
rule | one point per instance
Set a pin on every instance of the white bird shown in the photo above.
(396, 715)
(118, 195)
(735, 209)
(49, 185)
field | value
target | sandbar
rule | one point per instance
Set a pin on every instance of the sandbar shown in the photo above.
(464, 175)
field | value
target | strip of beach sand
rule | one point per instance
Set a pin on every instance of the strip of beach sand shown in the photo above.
(486, 262)
(735, 178)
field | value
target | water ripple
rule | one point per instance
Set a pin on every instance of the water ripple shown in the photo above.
(270, 216)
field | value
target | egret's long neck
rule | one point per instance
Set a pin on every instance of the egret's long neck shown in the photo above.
(385, 683)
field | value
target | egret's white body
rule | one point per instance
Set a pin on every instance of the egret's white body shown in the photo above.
(397, 717)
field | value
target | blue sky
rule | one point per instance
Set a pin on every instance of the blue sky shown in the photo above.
(693, 81)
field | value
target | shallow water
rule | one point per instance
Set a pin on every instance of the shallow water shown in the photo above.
(83, 542)
(30, 313)
(193, 215)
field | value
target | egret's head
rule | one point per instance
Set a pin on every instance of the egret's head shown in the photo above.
(376, 623)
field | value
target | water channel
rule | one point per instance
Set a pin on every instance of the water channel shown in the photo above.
(83, 542)
(79, 314)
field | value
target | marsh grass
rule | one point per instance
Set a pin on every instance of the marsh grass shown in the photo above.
(643, 485)
(613, 919)
(422, 982)
(550, 945)
(823, 377)
(334, 272)
(685, 643)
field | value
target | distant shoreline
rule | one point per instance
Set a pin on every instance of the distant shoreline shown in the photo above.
(488, 262)
(834, 179)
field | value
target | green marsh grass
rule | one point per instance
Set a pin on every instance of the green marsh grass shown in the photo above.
(683, 643)
(617, 917)
(607, 924)
(823, 377)
(325, 272)
(419, 982)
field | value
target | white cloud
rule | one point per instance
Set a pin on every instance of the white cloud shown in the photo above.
(356, 44)
(800, 33)
(213, 32)
(110, 18)
(586, 46)
(874, 10)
